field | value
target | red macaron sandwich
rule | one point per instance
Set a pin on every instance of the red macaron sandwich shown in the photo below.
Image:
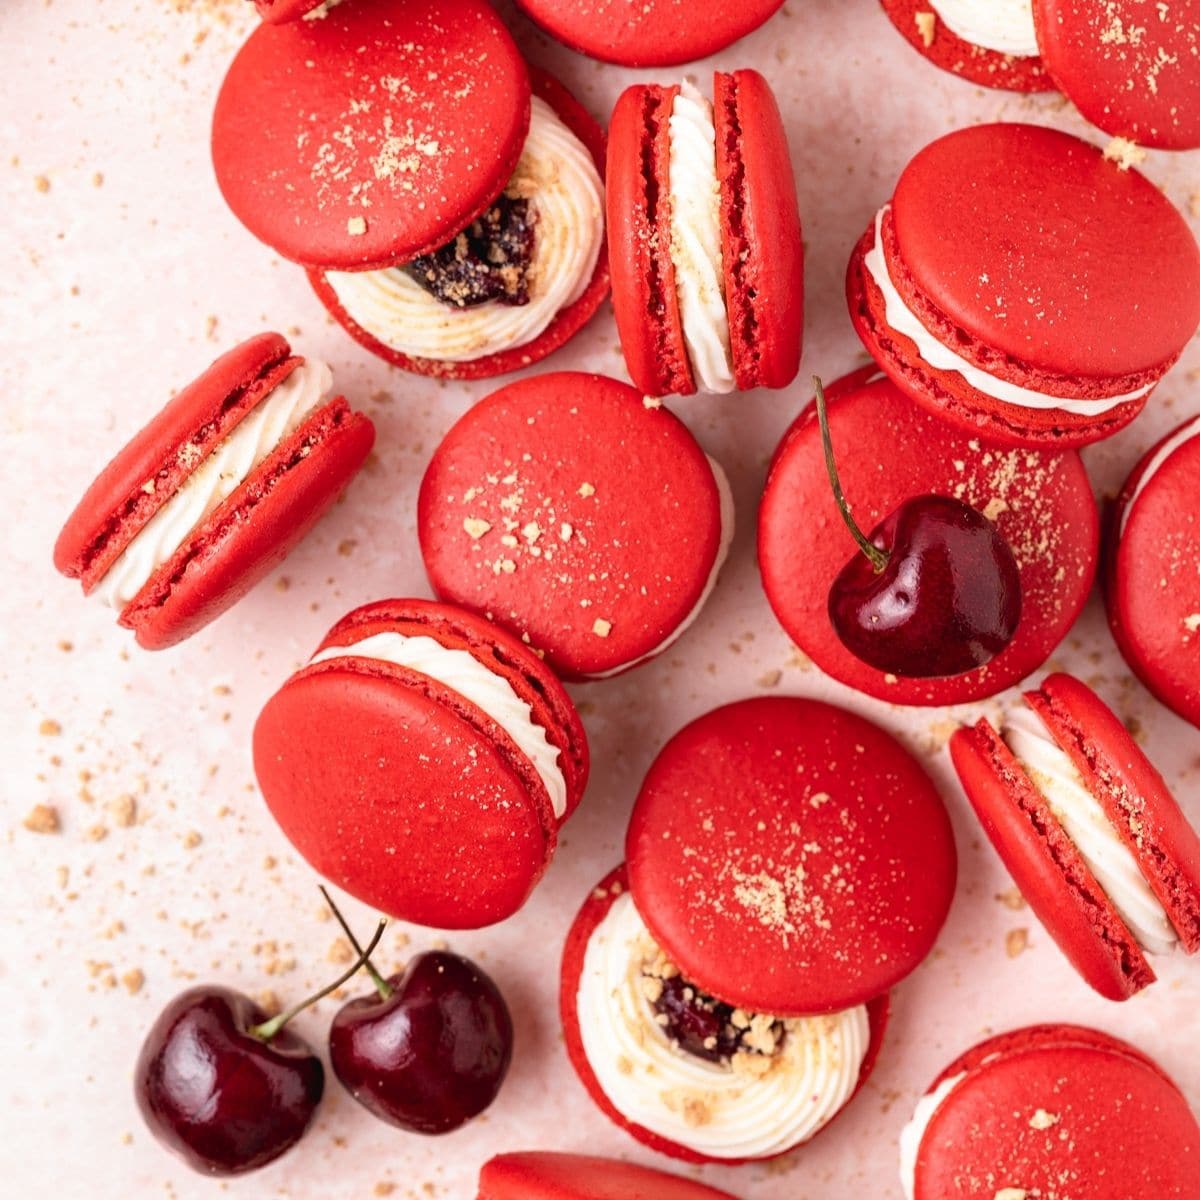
(424, 761)
(704, 237)
(541, 1175)
(580, 516)
(214, 491)
(1152, 574)
(1052, 1112)
(1087, 827)
(451, 214)
(724, 994)
(1026, 287)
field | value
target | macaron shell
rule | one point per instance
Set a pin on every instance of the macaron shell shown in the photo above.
(1131, 67)
(648, 33)
(1134, 795)
(1041, 502)
(790, 857)
(1103, 1125)
(610, 509)
(254, 529)
(374, 134)
(594, 910)
(1152, 578)
(988, 68)
(546, 1176)
(1047, 866)
(279, 11)
(762, 246)
(564, 326)
(645, 300)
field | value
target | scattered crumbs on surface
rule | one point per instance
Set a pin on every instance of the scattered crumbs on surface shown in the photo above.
(133, 980)
(96, 833)
(383, 1188)
(210, 327)
(42, 818)
(1016, 942)
(770, 679)
(49, 728)
(1011, 899)
(123, 810)
(476, 527)
(1194, 204)
(356, 226)
(601, 627)
(1124, 153)
(269, 1002)
(651, 402)
(346, 547)
(42, 183)
(191, 839)
(926, 27)
(586, 489)
(1011, 1193)
(1043, 1120)
(340, 951)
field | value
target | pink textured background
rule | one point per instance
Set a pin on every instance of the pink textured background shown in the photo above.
(123, 276)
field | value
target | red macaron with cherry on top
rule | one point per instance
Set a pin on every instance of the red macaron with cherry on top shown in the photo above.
(1152, 572)
(450, 212)
(986, 296)
(544, 1175)
(649, 33)
(580, 516)
(1052, 1111)
(724, 995)
(704, 237)
(424, 761)
(214, 491)
(1089, 830)
(889, 451)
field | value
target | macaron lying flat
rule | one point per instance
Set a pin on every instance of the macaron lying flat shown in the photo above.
(1152, 576)
(541, 1175)
(649, 33)
(888, 451)
(704, 236)
(214, 491)
(583, 519)
(424, 761)
(984, 296)
(1052, 1111)
(1089, 831)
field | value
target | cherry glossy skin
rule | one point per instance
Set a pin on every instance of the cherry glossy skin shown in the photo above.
(433, 1054)
(220, 1097)
(948, 601)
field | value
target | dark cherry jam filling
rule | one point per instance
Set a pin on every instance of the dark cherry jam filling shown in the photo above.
(489, 260)
(705, 1027)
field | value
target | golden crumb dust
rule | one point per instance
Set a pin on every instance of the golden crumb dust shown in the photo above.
(1124, 153)
(42, 818)
(927, 27)
(133, 981)
(1016, 942)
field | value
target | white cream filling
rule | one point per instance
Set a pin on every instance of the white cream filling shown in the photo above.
(1085, 822)
(489, 692)
(696, 241)
(725, 496)
(558, 177)
(710, 1108)
(913, 1133)
(215, 479)
(904, 321)
(1180, 438)
(1005, 26)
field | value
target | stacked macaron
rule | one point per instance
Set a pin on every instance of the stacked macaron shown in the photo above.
(539, 1175)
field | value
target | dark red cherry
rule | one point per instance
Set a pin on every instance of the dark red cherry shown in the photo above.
(704, 1027)
(935, 592)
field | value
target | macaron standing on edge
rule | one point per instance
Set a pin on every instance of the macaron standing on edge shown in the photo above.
(984, 297)
(457, 758)
(579, 515)
(704, 237)
(214, 491)
(543, 1175)
(1089, 830)
(724, 995)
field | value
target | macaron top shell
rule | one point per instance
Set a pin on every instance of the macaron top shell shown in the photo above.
(547, 1176)
(374, 134)
(280, 11)
(649, 33)
(1132, 67)
(1034, 244)
(575, 515)
(790, 857)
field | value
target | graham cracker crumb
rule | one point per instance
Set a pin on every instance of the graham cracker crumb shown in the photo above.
(42, 183)
(1011, 899)
(601, 627)
(133, 981)
(340, 951)
(1043, 1119)
(123, 810)
(927, 27)
(770, 679)
(1124, 153)
(191, 839)
(586, 489)
(1016, 942)
(49, 728)
(356, 226)
(476, 527)
(1010, 1193)
(42, 818)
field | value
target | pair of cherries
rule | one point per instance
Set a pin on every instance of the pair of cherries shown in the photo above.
(230, 1090)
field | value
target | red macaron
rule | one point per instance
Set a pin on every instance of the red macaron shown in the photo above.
(541, 1175)
(984, 293)
(992, 45)
(578, 515)
(704, 237)
(214, 491)
(1052, 1111)
(424, 761)
(889, 451)
(788, 863)
(1089, 830)
(1152, 570)
(279, 11)
(649, 33)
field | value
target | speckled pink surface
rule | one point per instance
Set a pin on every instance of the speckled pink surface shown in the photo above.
(123, 276)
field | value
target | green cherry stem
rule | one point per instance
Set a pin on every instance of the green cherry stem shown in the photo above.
(879, 560)
(268, 1029)
(381, 985)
